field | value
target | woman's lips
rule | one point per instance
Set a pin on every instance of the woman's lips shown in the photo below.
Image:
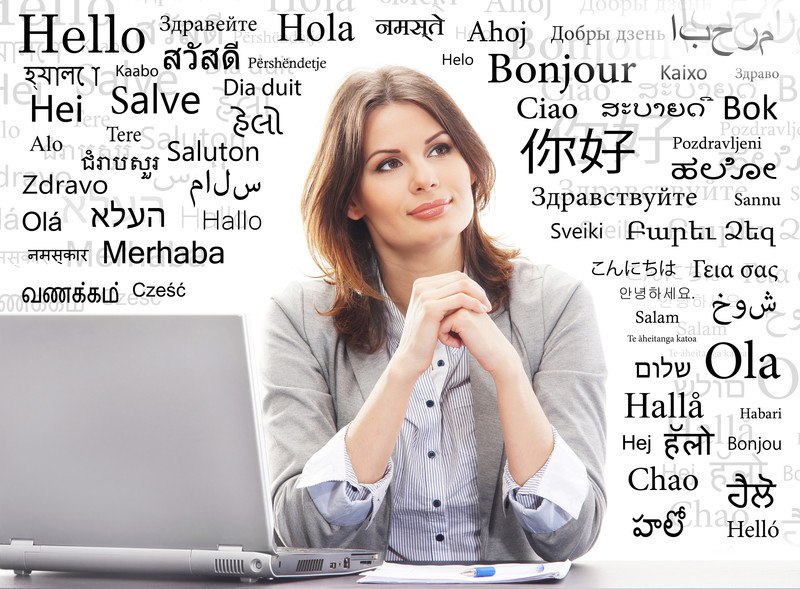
(431, 209)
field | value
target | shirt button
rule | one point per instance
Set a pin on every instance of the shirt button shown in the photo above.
(430, 403)
(440, 537)
(440, 363)
(437, 503)
(431, 454)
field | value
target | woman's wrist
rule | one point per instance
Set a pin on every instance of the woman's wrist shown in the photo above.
(508, 367)
(402, 373)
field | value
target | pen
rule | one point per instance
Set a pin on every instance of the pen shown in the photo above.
(479, 572)
(490, 571)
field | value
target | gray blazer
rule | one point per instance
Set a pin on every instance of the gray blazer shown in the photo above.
(315, 385)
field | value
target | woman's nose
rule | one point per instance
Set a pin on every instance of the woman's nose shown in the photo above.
(424, 177)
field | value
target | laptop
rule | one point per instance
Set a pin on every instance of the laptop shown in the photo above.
(134, 444)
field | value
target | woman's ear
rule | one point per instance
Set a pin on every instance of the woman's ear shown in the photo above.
(354, 210)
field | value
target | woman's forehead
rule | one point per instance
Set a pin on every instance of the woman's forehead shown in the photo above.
(398, 121)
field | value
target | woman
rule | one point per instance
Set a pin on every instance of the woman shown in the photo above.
(434, 396)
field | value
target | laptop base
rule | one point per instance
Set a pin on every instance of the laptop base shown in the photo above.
(24, 556)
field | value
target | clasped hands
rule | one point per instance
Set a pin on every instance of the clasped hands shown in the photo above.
(453, 309)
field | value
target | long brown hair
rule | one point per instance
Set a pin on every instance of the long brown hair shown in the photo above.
(341, 247)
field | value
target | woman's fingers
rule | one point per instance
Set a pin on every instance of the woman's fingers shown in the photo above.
(451, 339)
(441, 308)
(445, 285)
(434, 299)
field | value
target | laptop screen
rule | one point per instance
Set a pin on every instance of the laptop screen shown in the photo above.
(130, 431)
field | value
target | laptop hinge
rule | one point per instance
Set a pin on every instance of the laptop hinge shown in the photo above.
(21, 543)
(239, 563)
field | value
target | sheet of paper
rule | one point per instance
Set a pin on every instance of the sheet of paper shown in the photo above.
(504, 573)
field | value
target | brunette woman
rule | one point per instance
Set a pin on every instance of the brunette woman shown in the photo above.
(434, 395)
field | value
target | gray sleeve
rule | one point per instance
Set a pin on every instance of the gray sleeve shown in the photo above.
(570, 385)
(299, 419)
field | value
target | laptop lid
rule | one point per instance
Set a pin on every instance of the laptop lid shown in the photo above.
(130, 431)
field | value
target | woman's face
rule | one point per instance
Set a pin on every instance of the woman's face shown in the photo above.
(415, 188)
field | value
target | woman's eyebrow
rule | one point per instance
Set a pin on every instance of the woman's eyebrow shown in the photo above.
(374, 153)
(394, 151)
(433, 137)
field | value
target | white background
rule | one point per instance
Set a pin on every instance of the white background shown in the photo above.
(258, 263)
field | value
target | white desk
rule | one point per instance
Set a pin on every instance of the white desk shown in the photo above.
(599, 575)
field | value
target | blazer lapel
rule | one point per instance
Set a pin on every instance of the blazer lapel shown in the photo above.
(488, 431)
(368, 368)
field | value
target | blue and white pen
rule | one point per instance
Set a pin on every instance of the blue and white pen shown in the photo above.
(479, 572)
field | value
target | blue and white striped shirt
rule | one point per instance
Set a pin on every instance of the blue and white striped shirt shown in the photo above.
(435, 511)
(435, 508)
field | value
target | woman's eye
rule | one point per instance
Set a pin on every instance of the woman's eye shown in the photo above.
(389, 164)
(441, 149)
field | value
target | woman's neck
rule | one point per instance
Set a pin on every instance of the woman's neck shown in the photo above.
(399, 271)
